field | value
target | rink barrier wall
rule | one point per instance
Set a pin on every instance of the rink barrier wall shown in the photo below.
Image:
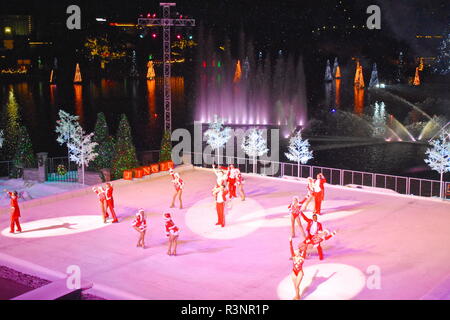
(341, 177)
(88, 190)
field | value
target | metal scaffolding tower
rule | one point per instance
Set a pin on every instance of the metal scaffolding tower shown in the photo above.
(166, 22)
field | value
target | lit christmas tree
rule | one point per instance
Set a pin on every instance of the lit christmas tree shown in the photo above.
(77, 77)
(125, 152)
(359, 77)
(217, 135)
(150, 70)
(439, 157)
(336, 69)
(299, 150)
(24, 157)
(246, 68)
(254, 145)
(1, 139)
(105, 144)
(442, 62)
(374, 77)
(328, 75)
(416, 81)
(81, 149)
(237, 72)
(10, 120)
(165, 153)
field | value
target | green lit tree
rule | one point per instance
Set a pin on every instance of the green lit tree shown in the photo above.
(105, 146)
(10, 121)
(24, 156)
(166, 147)
(125, 151)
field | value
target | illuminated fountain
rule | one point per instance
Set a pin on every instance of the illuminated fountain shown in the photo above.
(251, 93)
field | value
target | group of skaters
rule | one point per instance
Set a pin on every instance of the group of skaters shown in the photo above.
(229, 180)
(315, 234)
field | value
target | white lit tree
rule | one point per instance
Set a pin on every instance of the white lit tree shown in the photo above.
(1, 139)
(299, 150)
(81, 149)
(217, 135)
(66, 127)
(442, 62)
(438, 157)
(254, 145)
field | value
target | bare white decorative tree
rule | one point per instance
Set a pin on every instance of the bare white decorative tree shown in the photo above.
(254, 145)
(66, 127)
(439, 157)
(81, 149)
(299, 150)
(217, 135)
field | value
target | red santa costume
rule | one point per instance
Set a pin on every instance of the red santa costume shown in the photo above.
(110, 201)
(231, 178)
(220, 194)
(313, 229)
(295, 210)
(171, 228)
(177, 181)
(15, 212)
(319, 193)
(139, 221)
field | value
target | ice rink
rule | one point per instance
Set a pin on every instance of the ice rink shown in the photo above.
(387, 246)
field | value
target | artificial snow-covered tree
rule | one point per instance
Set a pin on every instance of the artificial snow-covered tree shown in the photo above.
(254, 145)
(439, 157)
(81, 149)
(166, 147)
(105, 144)
(217, 135)
(442, 62)
(299, 150)
(66, 127)
(125, 152)
(374, 77)
(24, 157)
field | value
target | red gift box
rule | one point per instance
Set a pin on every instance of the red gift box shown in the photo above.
(128, 175)
(155, 168)
(163, 166)
(138, 173)
(147, 170)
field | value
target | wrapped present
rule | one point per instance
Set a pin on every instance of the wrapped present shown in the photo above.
(128, 175)
(155, 168)
(138, 173)
(163, 166)
(147, 170)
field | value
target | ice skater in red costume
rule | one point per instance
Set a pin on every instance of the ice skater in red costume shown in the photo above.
(140, 225)
(110, 202)
(178, 185)
(295, 209)
(298, 257)
(315, 234)
(232, 177)
(319, 192)
(100, 192)
(220, 194)
(309, 194)
(15, 211)
(221, 177)
(240, 184)
(172, 232)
